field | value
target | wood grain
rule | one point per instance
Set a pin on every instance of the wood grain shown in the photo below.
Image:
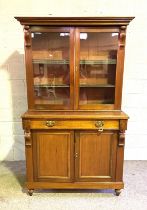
(53, 156)
(96, 155)
(75, 185)
(120, 68)
(78, 21)
(75, 115)
(29, 67)
(74, 124)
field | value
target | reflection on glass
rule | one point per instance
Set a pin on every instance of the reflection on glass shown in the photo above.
(51, 68)
(98, 53)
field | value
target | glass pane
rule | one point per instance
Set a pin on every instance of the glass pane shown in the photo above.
(51, 68)
(98, 53)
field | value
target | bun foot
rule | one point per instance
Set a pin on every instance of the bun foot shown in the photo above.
(30, 192)
(117, 192)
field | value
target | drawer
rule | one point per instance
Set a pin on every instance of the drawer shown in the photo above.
(74, 124)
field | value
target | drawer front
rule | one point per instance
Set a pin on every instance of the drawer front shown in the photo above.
(75, 124)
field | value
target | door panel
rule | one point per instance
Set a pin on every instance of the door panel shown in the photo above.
(53, 156)
(95, 156)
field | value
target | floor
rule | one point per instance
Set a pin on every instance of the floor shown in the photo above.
(13, 195)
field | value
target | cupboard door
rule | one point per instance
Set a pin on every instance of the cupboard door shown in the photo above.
(96, 68)
(53, 156)
(95, 156)
(52, 59)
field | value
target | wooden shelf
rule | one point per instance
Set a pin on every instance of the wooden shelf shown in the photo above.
(51, 86)
(96, 102)
(81, 85)
(48, 101)
(47, 61)
(87, 62)
(95, 62)
(101, 86)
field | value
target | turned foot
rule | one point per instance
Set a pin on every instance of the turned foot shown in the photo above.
(30, 192)
(117, 192)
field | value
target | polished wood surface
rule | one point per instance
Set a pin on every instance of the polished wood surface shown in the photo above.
(29, 66)
(75, 115)
(74, 124)
(120, 67)
(75, 141)
(72, 92)
(96, 156)
(78, 21)
(29, 155)
(53, 156)
(75, 185)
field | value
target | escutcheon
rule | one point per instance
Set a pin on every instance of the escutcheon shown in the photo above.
(99, 125)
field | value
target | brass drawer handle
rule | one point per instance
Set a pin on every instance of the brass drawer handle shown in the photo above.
(99, 125)
(50, 123)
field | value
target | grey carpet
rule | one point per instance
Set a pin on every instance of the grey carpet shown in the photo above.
(13, 196)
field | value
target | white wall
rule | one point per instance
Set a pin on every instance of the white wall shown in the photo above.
(12, 71)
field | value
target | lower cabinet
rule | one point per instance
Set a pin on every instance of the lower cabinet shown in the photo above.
(74, 156)
(74, 153)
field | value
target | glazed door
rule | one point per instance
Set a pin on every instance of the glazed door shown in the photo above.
(96, 63)
(53, 156)
(95, 156)
(52, 63)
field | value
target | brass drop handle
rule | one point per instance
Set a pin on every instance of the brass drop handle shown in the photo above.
(50, 123)
(99, 125)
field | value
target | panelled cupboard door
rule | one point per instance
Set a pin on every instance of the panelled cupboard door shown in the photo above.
(95, 156)
(53, 155)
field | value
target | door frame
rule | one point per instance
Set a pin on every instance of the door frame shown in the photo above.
(113, 156)
(118, 73)
(29, 68)
(35, 149)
